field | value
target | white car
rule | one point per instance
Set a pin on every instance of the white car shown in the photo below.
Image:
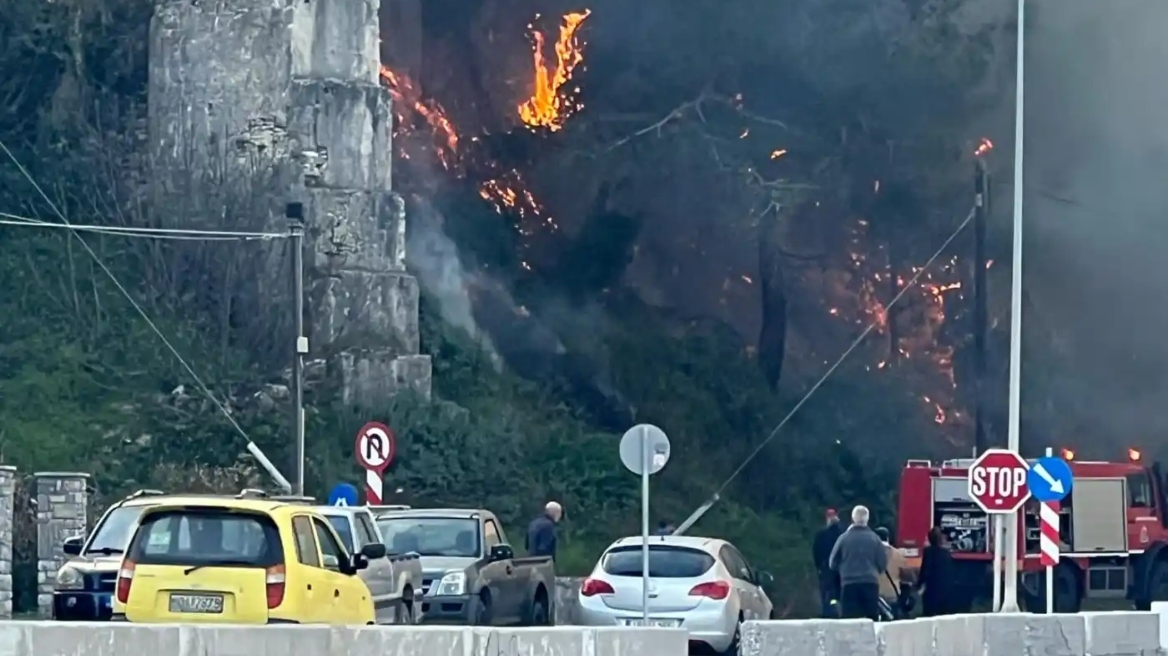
(701, 584)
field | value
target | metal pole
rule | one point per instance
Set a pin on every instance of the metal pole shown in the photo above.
(980, 311)
(645, 464)
(1049, 569)
(996, 525)
(295, 215)
(1010, 603)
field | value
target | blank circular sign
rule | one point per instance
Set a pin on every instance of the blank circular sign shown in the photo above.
(632, 449)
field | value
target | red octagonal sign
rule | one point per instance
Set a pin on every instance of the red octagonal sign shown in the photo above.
(997, 481)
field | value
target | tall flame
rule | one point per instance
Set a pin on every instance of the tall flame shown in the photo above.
(550, 104)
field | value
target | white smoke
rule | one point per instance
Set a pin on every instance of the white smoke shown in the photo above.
(435, 259)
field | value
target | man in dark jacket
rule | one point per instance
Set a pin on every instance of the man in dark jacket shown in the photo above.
(541, 533)
(821, 552)
(860, 559)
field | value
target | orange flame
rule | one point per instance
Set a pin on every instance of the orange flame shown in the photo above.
(406, 96)
(550, 105)
(984, 146)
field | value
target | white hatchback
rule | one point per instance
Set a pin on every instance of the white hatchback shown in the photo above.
(701, 584)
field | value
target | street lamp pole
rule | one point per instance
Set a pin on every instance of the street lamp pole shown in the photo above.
(294, 212)
(1010, 587)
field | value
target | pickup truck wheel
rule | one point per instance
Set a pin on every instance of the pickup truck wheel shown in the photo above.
(539, 612)
(482, 611)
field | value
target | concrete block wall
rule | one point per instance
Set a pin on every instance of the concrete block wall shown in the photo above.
(105, 639)
(61, 509)
(1021, 634)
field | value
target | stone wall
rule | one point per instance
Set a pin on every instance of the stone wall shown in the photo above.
(286, 98)
(61, 504)
(7, 523)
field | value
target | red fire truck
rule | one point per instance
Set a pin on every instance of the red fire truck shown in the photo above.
(1114, 530)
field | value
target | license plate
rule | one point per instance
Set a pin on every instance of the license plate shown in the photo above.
(638, 621)
(196, 603)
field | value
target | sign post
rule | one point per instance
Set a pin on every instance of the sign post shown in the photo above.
(644, 450)
(374, 451)
(997, 484)
(1050, 481)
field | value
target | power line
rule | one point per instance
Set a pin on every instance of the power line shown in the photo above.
(855, 343)
(7, 218)
(251, 446)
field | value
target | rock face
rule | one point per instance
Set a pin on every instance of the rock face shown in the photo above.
(257, 103)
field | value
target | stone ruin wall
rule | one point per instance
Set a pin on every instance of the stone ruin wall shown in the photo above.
(285, 94)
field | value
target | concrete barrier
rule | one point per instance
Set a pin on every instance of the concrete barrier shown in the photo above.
(1085, 634)
(104, 639)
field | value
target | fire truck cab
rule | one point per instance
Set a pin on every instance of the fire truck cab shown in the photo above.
(1113, 533)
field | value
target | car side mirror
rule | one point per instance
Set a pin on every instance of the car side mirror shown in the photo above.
(502, 552)
(72, 546)
(764, 578)
(373, 550)
(356, 564)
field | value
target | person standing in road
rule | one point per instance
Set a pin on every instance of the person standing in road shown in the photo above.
(541, 533)
(860, 559)
(821, 553)
(936, 575)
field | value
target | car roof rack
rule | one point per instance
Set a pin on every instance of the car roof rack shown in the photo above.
(390, 507)
(251, 493)
(294, 498)
(145, 493)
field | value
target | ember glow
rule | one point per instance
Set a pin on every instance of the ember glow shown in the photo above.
(984, 146)
(551, 103)
(408, 104)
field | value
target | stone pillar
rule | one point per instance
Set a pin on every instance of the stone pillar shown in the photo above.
(61, 503)
(7, 521)
(295, 86)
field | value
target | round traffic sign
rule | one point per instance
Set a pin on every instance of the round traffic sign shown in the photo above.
(634, 443)
(375, 446)
(997, 481)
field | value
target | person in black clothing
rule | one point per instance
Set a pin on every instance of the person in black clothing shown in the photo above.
(541, 533)
(936, 575)
(821, 552)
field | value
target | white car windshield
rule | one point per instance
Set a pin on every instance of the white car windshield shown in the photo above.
(431, 536)
(115, 530)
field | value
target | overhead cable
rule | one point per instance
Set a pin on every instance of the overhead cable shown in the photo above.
(7, 218)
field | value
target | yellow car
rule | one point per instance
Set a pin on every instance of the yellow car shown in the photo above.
(240, 561)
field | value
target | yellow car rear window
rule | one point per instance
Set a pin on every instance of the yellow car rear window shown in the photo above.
(211, 536)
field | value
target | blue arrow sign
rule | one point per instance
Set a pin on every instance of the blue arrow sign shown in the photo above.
(343, 494)
(1050, 479)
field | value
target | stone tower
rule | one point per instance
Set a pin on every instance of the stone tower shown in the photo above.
(283, 95)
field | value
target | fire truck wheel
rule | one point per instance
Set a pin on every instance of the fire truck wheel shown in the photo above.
(1067, 598)
(1157, 585)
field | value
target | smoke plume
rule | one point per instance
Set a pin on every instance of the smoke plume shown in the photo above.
(1096, 160)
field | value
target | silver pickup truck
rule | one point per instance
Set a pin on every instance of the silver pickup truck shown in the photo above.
(394, 581)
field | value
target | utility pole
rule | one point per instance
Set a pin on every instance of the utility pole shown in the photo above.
(294, 212)
(981, 209)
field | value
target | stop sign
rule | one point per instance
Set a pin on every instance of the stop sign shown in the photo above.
(997, 481)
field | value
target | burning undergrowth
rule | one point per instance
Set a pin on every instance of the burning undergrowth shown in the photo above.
(440, 156)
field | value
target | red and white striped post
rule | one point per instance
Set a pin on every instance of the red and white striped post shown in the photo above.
(374, 451)
(1048, 546)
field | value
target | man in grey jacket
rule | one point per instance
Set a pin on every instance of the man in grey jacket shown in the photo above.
(860, 558)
